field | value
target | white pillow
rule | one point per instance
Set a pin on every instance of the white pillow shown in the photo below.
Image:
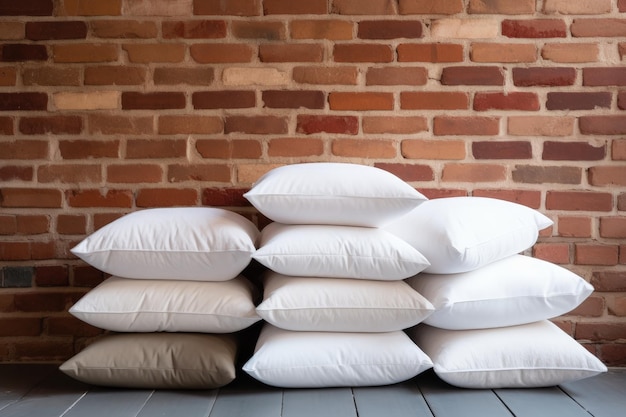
(323, 359)
(531, 355)
(337, 252)
(129, 305)
(191, 243)
(340, 305)
(332, 193)
(460, 234)
(156, 361)
(515, 290)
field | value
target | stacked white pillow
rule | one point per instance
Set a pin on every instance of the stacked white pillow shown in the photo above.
(174, 270)
(490, 328)
(334, 298)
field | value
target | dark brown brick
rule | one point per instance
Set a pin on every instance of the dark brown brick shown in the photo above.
(502, 150)
(602, 125)
(26, 8)
(223, 99)
(291, 53)
(115, 75)
(604, 76)
(329, 124)
(23, 101)
(283, 99)
(52, 276)
(540, 77)
(532, 174)
(231, 7)
(472, 76)
(58, 125)
(534, 28)
(39, 31)
(271, 31)
(153, 101)
(166, 197)
(194, 29)
(23, 52)
(87, 149)
(191, 76)
(225, 197)
(572, 151)
(578, 101)
(389, 29)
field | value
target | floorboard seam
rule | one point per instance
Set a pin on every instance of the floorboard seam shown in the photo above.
(74, 403)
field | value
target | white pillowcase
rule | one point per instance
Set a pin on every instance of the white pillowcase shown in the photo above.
(515, 290)
(191, 243)
(128, 305)
(460, 234)
(532, 355)
(337, 252)
(340, 305)
(332, 193)
(323, 359)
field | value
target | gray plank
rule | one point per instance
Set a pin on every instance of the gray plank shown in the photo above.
(17, 379)
(447, 401)
(603, 395)
(51, 398)
(102, 402)
(248, 401)
(400, 400)
(179, 403)
(540, 402)
(327, 402)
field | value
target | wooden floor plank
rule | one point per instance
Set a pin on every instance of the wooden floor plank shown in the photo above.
(327, 402)
(16, 380)
(55, 395)
(248, 401)
(103, 402)
(400, 400)
(447, 401)
(540, 402)
(179, 403)
(602, 396)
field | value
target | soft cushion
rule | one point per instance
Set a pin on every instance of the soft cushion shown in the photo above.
(332, 193)
(515, 290)
(460, 234)
(156, 361)
(128, 305)
(531, 355)
(191, 243)
(283, 358)
(340, 305)
(337, 251)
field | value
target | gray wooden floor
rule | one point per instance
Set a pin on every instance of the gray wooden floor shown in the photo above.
(42, 391)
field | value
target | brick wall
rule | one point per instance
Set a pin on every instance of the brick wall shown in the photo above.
(111, 106)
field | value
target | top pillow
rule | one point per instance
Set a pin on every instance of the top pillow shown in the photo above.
(461, 234)
(332, 193)
(186, 243)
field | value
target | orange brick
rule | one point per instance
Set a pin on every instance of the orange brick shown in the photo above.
(570, 52)
(396, 76)
(361, 101)
(527, 198)
(91, 8)
(123, 29)
(70, 224)
(194, 29)
(577, 7)
(158, 8)
(501, 6)
(83, 52)
(363, 53)
(291, 7)
(364, 148)
(198, 172)
(433, 52)
(595, 254)
(466, 125)
(291, 52)
(434, 100)
(430, 6)
(25, 149)
(617, 306)
(96, 198)
(256, 125)
(115, 75)
(229, 149)
(49, 75)
(569, 226)
(607, 176)
(408, 172)
(174, 125)
(120, 125)
(222, 53)
(558, 253)
(322, 29)
(156, 148)
(357, 7)
(612, 28)
(394, 124)
(295, 147)
(32, 224)
(326, 75)
(73, 173)
(161, 52)
(613, 227)
(502, 52)
(541, 125)
(230, 7)
(433, 149)
(134, 173)
(30, 197)
(460, 172)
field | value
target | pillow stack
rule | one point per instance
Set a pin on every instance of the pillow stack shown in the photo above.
(334, 298)
(176, 294)
(490, 326)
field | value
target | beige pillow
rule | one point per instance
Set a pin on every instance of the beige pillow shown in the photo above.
(156, 361)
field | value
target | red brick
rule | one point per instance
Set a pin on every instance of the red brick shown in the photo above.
(294, 147)
(221, 53)
(527, 198)
(284, 99)
(534, 28)
(612, 28)
(607, 175)
(430, 52)
(70, 326)
(176, 125)
(356, 7)
(572, 151)
(8, 226)
(25, 149)
(11, 52)
(618, 150)
(543, 77)
(326, 75)
(291, 7)
(394, 124)
(389, 29)
(6, 126)
(532, 174)
(123, 29)
(476, 75)
(614, 281)
(396, 76)
(557, 253)
(227, 149)
(70, 224)
(593, 77)
(15, 251)
(572, 53)
(592, 306)
(322, 29)
(57, 125)
(361, 101)
(86, 276)
(291, 52)
(134, 173)
(617, 306)
(579, 201)
(259, 125)
(20, 326)
(462, 172)
(621, 202)
(198, 172)
(502, 150)
(362, 53)
(540, 125)
(501, 7)
(231, 7)
(595, 254)
(408, 172)
(501, 101)
(503, 52)
(32, 224)
(51, 76)
(224, 197)
(578, 101)
(194, 29)
(613, 227)
(330, 124)
(85, 149)
(91, 8)
(268, 30)
(430, 6)
(621, 5)
(73, 173)
(39, 31)
(425, 149)
(466, 125)
(52, 276)
(602, 125)
(569, 226)
(85, 52)
(30, 197)
(26, 8)
(8, 76)
(114, 75)
(45, 301)
(432, 100)
(360, 148)
(191, 76)
(155, 148)
(23, 101)
(144, 53)
(11, 172)
(166, 197)
(224, 99)
(120, 125)
(153, 101)
(621, 100)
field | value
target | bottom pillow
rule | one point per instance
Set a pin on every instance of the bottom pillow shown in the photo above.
(532, 355)
(288, 359)
(156, 361)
